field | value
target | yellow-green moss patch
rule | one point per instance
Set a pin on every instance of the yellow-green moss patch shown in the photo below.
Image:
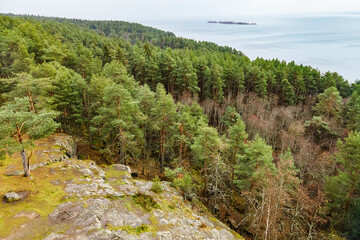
(111, 172)
(134, 230)
(43, 196)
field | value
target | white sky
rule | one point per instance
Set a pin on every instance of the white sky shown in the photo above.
(137, 10)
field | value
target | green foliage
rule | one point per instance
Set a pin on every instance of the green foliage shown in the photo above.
(329, 103)
(206, 146)
(20, 127)
(173, 173)
(186, 77)
(287, 92)
(16, 118)
(352, 112)
(252, 166)
(236, 137)
(186, 185)
(288, 172)
(320, 130)
(163, 116)
(68, 99)
(118, 120)
(140, 95)
(217, 83)
(181, 181)
(37, 89)
(146, 202)
(156, 186)
(230, 117)
(343, 189)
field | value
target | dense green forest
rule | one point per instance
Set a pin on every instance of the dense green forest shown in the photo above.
(272, 148)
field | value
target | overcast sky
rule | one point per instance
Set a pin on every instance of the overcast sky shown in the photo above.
(157, 9)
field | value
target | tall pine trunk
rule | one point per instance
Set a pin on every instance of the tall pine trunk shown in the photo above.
(26, 164)
(162, 149)
(205, 169)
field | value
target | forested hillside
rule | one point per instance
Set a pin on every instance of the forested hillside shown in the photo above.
(270, 147)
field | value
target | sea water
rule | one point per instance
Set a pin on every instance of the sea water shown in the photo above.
(326, 42)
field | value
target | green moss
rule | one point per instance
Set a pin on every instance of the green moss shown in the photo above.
(112, 197)
(110, 172)
(1, 221)
(133, 230)
(154, 221)
(116, 182)
(169, 205)
(236, 235)
(42, 196)
(128, 205)
(146, 202)
(156, 186)
(213, 219)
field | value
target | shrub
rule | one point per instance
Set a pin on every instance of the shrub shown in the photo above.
(156, 186)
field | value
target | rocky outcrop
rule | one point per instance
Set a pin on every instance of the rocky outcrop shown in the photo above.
(107, 203)
(108, 209)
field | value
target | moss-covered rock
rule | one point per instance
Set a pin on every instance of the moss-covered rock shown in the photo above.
(78, 199)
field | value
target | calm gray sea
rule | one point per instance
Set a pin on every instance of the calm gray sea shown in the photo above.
(326, 42)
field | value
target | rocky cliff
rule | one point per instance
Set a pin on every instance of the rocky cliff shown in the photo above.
(68, 198)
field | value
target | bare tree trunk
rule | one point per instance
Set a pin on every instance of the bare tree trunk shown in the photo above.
(162, 149)
(181, 145)
(311, 226)
(25, 164)
(31, 102)
(205, 170)
(267, 222)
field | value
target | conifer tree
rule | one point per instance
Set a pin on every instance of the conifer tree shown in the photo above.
(217, 83)
(261, 85)
(254, 164)
(19, 127)
(163, 114)
(68, 99)
(236, 144)
(329, 103)
(36, 89)
(287, 92)
(343, 189)
(186, 77)
(146, 104)
(352, 112)
(117, 122)
(206, 148)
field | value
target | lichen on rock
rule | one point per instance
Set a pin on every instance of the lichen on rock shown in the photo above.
(86, 201)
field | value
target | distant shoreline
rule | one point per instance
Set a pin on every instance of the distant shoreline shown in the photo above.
(231, 22)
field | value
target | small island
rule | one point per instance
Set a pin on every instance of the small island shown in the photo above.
(232, 22)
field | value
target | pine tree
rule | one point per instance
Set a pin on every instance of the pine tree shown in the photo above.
(343, 189)
(261, 85)
(163, 115)
(189, 120)
(36, 89)
(252, 166)
(352, 112)
(236, 144)
(118, 121)
(19, 127)
(186, 77)
(68, 99)
(329, 104)
(287, 93)
(217, 83)
(206, 149)
(146, 104)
